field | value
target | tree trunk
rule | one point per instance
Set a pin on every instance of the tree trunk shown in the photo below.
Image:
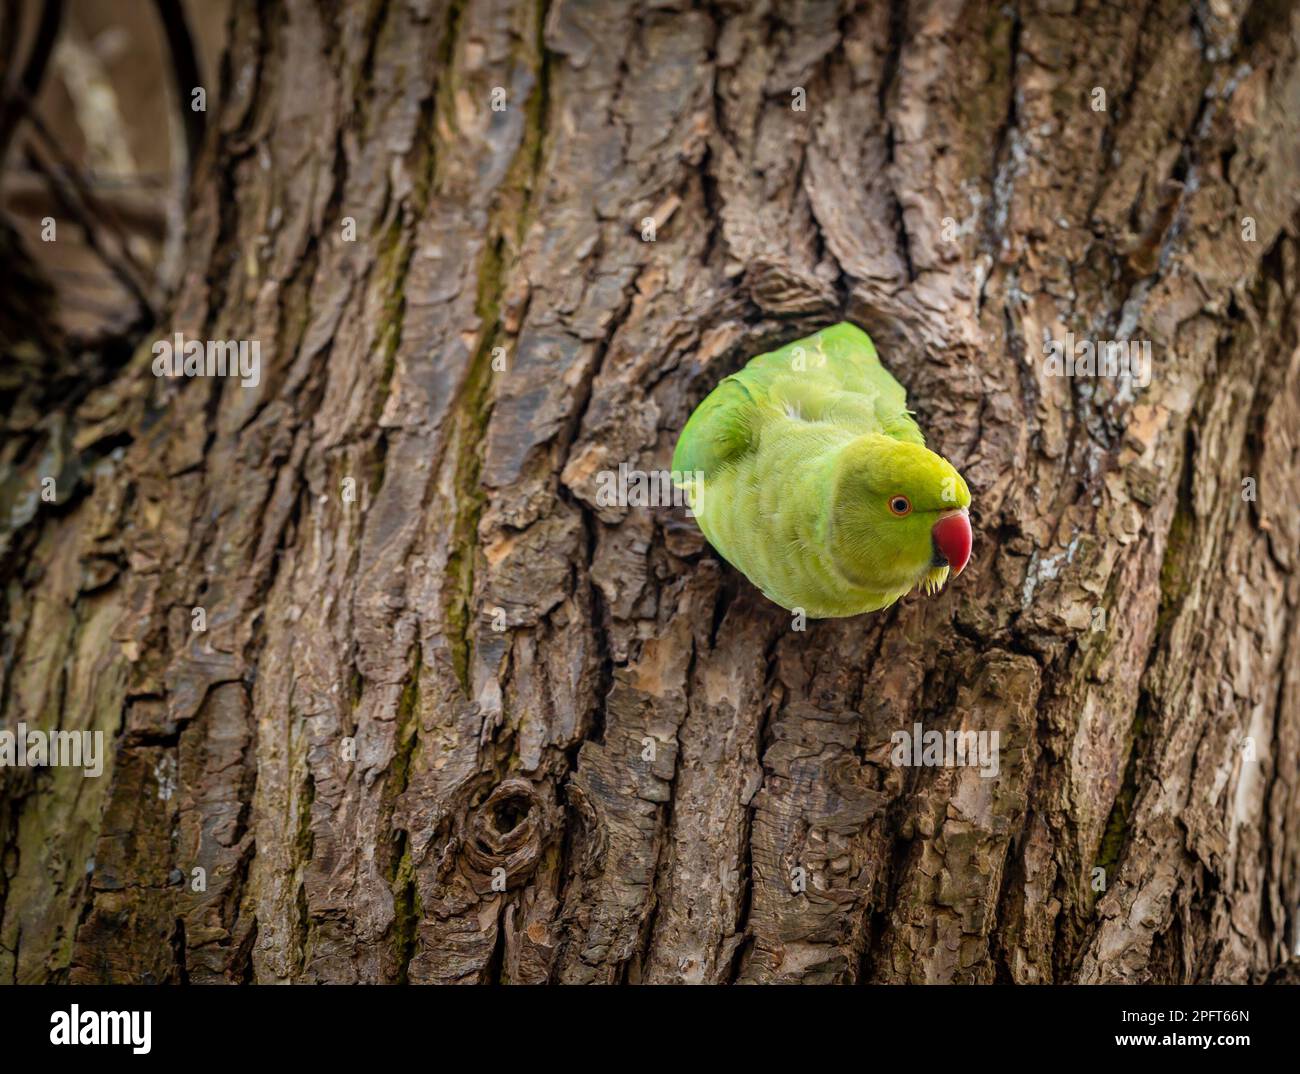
(471, 724)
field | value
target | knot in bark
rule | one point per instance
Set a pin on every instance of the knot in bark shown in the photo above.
(508, 831)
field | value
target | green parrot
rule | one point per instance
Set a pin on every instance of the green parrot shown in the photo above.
(807, 473)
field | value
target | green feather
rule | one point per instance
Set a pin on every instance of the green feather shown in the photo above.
(800, 453)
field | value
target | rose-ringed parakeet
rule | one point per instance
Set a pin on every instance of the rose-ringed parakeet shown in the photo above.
(815, 482)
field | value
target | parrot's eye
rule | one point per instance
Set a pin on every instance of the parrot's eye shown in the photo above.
(900, 505)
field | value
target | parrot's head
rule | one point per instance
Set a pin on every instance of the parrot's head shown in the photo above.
(898, 516)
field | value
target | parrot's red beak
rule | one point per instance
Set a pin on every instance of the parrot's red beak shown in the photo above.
(951, 538)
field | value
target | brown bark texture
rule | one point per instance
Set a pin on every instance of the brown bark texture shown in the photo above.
(470, 724)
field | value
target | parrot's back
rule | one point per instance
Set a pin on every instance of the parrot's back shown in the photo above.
(765, 441)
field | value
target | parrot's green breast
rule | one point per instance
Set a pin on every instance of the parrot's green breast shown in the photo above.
(765, 442)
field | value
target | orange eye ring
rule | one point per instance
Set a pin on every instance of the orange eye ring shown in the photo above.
(900, 505)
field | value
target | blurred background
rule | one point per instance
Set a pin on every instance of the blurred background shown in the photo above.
(94, 135)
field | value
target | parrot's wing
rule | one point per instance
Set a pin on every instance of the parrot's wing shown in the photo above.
(721, 430)
(835, 375)
(832, 376)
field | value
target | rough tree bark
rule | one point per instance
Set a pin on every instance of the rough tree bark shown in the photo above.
(1128, 624)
